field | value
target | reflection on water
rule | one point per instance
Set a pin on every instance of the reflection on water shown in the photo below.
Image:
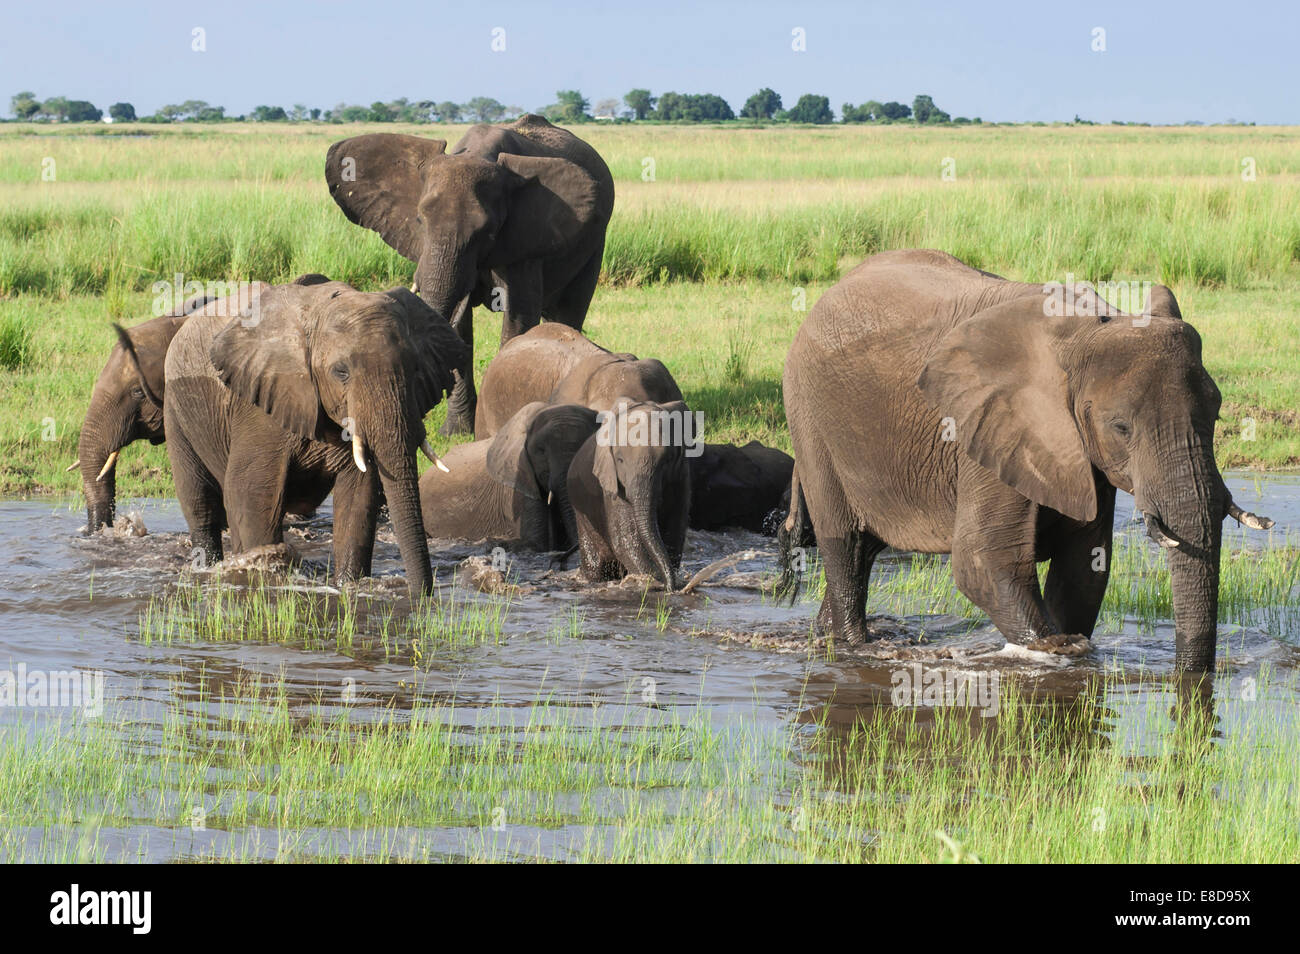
(69, 602)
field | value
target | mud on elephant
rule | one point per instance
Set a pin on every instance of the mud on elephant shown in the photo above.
(937, 408)
(512, 217)
(307, 389)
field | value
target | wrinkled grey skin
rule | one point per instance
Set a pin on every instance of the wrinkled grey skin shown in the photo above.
(512, 217)
(631, 505)
(258, 403)
(558, 365)
(126, 403)
(1046, 415)
(513, 487)
(746, 487)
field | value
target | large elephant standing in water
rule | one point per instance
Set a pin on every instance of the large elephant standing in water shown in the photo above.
(304, 390)
(513, 216)
(937, 408)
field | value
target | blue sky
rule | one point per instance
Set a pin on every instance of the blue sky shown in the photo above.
(1164, 62)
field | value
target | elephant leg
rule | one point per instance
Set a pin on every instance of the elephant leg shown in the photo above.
(598, 561)
(356, 514)
(994, 566)
(199, 494)
(254, 492)
(847, 557)
(463, 400)
(571, 306)
(1080, 570)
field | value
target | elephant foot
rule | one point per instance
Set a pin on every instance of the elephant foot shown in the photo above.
(1059, 644)
(457, 423)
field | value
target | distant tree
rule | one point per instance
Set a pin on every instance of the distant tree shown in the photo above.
(56, 108)
(869, 112)
(893, 110)
(640, 102)
(573, 106)
(762, 105)
(446, 112)
(315, 114)
(269, 114)
(381, 113)
(811, 109)
(925, 111)
(606, 108)
(298, 113)
(191, 108)
(122, 112)
(483, 109)
(513, 112)
(693, 108)
(211, 114)
(81, 111)
(24, 105)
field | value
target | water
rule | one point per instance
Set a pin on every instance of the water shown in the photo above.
(71, 602)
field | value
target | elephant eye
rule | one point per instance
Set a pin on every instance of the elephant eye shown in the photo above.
(1122, 429)
(340, 372)
(137, 393)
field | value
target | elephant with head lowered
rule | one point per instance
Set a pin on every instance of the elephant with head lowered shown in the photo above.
(559, 365)
(512, 217)
(512, 487)
(126, 404)
(630, 486)
(937, 408)
(304, 390)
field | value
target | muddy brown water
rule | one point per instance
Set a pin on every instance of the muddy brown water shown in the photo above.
(73, 602)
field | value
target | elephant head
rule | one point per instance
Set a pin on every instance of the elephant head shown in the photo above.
(125, 406)
(333, 364)
(641, 461)
(532, 453)
(1047, 401)
(456, 214)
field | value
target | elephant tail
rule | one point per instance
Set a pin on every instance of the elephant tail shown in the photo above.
(795, 533)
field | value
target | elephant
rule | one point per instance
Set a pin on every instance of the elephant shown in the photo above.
(631, 496)
(513, 216)
(934, 407)
(512, 487)
(739, 487)
(308, 389)
(556, 364)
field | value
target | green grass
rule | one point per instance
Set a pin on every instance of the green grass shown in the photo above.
(1104, 776)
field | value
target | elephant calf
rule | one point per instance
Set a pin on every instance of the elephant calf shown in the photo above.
(630, 486)
(512, 487)
(556, 364)
(308, 388)
(742, 487)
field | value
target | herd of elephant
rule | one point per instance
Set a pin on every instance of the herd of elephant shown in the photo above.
(932, 407)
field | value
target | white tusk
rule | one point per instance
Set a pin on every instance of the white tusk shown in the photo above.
(549, 497)
(429, 453)
(1254, 521)
(71, 467)
(358, 452)
(1157, 532)
(108, 465)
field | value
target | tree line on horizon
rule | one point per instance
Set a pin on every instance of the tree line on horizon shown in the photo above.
(570, 106)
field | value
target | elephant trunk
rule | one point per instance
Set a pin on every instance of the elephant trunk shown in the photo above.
(645, 517)
(1185, 514)
(97, 451)
(394, 454)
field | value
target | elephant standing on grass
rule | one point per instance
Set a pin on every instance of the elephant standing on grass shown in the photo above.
(304, 390)
(558, 365)
(937, 408)
(512, 487)
(512, 217)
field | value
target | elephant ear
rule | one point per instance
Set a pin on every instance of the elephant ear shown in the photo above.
(263, 356)
(436, 349)
(508, 461)
(605, 468)
(551, 201)
(377, 180)
(1161, 303)
(998, 377)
